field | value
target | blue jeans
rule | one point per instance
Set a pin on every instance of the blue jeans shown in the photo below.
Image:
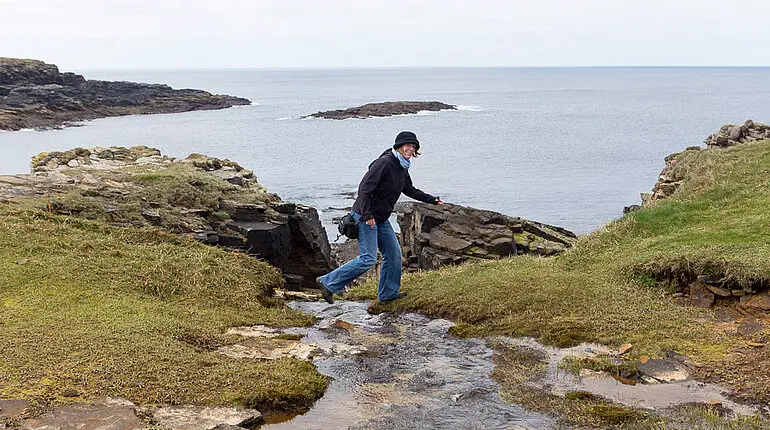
(381, 237)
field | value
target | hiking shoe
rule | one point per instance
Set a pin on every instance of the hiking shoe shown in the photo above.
(325, 293)
(397, 296)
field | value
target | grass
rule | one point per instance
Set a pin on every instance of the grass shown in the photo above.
(168, 189)
(615, 285)
(102, 311)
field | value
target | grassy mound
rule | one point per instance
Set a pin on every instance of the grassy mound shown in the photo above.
(89, 310)
(615, 285)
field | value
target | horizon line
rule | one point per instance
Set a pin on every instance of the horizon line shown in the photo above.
(424, 67)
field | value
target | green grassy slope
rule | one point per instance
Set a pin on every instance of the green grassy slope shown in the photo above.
(89, 310)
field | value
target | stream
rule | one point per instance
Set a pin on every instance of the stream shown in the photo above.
(405, 371)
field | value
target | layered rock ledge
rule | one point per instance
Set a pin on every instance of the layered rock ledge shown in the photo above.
(34, 94)
(384, 109)
(438, 235)
(215, 201)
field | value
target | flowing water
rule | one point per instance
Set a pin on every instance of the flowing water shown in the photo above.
(405, 371)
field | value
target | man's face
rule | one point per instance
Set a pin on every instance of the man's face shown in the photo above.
(408, 150)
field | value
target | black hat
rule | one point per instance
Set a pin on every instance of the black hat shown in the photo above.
(406, 137)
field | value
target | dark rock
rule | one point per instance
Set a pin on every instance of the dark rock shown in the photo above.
(268, 241)
(246, 212)
(384, 109)
(231, 240)
(719, 291)
(34, 94)
(436, 235)
(285, 208)
(310, 253)
(632, 208)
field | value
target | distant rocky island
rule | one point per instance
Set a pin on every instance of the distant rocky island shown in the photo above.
(34, 94)
(384, 109)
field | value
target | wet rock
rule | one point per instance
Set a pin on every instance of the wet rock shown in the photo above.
(384, 109)
(269, 349)
(204, 418)
(109, 414)
(436, 235)
(664, 370)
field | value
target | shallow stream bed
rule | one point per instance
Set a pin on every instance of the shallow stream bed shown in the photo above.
(399, 371)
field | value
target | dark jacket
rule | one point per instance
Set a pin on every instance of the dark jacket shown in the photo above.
(381, 187)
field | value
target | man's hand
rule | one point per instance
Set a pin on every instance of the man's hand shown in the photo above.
(370, 222)
(439, 201)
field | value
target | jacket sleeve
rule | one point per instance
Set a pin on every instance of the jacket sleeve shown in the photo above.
(417, 194)
(367, 187)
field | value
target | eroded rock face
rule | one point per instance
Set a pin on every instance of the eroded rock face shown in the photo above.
(34, 94)
(384, 109)
(439, 235)
(212, 200)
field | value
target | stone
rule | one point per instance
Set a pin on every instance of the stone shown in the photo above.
(438, 235)
(87, 417)
(757, 304)
(719, 291)
(624, 348)
(749, 326)
(269, 349)
(735, 133)
(13, 409)
(700, 295)
(663, 370)
(152, 215)
(204, 418)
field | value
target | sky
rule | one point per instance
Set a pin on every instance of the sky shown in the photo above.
(161, 34)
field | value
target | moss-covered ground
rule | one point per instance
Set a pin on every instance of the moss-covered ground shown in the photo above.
(89, 310)
(615, 286)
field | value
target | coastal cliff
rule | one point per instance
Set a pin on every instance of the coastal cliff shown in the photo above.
(34, 94)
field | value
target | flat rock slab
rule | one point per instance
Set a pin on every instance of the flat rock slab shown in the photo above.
(205, 418)
(87, 417)
(13, 409)
(664, 370)
(269, 349)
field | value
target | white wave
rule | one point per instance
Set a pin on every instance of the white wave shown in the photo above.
(284, 118)
(471, 108)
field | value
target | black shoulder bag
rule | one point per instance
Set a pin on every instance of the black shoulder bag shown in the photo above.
(348, 227)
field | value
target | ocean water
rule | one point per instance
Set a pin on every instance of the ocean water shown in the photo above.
(565, 146)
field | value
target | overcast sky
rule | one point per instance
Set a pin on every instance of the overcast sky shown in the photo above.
(119, 34)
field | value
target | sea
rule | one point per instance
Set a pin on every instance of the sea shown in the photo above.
(563, 146)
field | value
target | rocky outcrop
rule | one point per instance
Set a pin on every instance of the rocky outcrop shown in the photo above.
(212, 200)
(34, 94)
(731, 135)
(384, 109)
(437, 235)
(671, 178)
